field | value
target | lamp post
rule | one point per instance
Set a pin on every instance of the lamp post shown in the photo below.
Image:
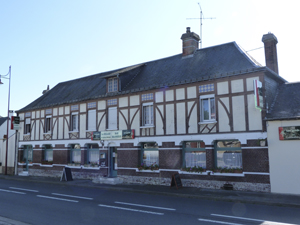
(7, 76)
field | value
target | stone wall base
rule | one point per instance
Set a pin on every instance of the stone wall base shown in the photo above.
(208, 184)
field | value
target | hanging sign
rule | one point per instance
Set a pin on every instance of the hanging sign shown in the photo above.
(15, 123)
(113, 135)
(289, 133)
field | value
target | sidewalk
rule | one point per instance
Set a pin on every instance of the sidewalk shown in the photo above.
(187, 192)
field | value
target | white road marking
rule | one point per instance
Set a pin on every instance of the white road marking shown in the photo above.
(61, 199)
(134, 210)
(220, 222)
(146, 206)
(23, 189)
(72, 196)
(256, 220)
(16, 192)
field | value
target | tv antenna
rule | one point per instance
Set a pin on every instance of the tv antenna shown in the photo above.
(201, 18)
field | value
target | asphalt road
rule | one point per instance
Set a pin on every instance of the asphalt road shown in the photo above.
(40, 203)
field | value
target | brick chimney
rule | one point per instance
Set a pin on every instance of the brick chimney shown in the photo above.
(270, 42)
(190, 43)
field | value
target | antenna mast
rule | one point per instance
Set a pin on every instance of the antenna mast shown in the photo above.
(201, 17)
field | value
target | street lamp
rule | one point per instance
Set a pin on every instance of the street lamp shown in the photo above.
(7, 76)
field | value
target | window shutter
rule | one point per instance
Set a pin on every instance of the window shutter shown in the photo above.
(92, 120)
(112, 118)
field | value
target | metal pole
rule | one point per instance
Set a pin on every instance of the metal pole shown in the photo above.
(7, 130)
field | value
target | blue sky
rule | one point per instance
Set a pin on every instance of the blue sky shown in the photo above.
(51, 41)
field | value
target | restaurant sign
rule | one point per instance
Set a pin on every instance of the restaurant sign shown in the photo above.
(113, 135)
(289, 133)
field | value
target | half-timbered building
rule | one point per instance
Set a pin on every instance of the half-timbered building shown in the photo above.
(199, 113)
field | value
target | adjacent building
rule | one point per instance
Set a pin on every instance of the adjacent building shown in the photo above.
(199, 113)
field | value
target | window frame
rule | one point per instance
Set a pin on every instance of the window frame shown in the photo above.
(91, 148)
(112, 84)
(150, 122)
(72, 150)
(143, 149)
(47, 151)
(186, 149)
(233, 149)
(48, 127)
(27, 126)
(74, 115)
(209, 97)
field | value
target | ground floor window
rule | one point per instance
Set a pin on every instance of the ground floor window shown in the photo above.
(27, 153)
(75, 153)
(92, 154)
(228, 153)
(194, 154)
(150, 154)
(48, 153)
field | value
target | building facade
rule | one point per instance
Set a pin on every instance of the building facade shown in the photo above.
(198, 114)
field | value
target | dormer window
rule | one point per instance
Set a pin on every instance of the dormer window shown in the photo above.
(112, 84)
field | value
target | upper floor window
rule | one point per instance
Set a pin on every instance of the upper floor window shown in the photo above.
(207, 108)
(74, 122)
(112, 118)
(27, 126)
(146, 97)
(112, 84)
(148, 114)
(47, 124)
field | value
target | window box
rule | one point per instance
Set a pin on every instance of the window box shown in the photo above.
(91, 165)
(45, 162)
(152, 167)
(228, 170)
(195, 169)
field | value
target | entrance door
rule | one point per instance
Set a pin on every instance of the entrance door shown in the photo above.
(27, 155)
(113, 162)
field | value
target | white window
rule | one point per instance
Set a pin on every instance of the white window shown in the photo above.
(228, 154)
(48, 153)
(112, 84)
(75, 154)
(47, 124)
(92, 154)
(194, 154)
(207, 108)
(92, 120)
(148, 114)
(74, 122)
(27, 126)
(112, 118)
(150, 155)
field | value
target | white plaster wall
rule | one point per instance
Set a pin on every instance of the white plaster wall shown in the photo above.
(60, 128)
(39, 124)
(66, 126)
(193, 123)
(169, 95)
(55, 120)
(191, 92)
(237, 86)
(54, 112)
(123, 102)
(238, 111)
(134, 100)
(135, 121)
(170, 123)
(36, 130)
(223, 119)
(38, 114)
(249, 83)
(159, 96)
(122, 122)
(180, 119)
(82, 126)
(33, 114)
(83, 107)
(61, 111)
(254, 114)
(180, 95)
(159, 121)
(67, 110)
(222, 88)
(102, 126)
(42, 114)
(284, 159)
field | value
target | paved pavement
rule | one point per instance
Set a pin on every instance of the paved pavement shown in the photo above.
(283, 200)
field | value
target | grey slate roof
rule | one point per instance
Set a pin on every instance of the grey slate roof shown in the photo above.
(2, 120)
(287, 103)
(207, 63)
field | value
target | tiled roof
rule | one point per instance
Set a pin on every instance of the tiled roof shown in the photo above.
(207, 63)
(287, 103)
(2, 120)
